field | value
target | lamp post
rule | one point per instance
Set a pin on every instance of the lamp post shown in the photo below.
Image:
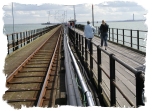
(92, 16)
(13, 17)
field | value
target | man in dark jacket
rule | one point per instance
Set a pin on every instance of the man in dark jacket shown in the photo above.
(104, 33)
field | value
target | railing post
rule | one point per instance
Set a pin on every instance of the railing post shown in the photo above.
(112, 34)
(78, 37)
(76, 42)
(123, 35)
(91, 59)
(112, 78)
(21, 38)
(117, 35)
(86, 53)
(74, 37)
(98, 30)
(73, 34)
(24, 37)
(17, 46)
(109, 34)
(80, 44)
(131, 37)
(69, 34)
(28, 36)
(7, 45)
(13, 42)
(82, 48)
(99, 70)
(32, 35)
(35, 34)
(139, 89)
(138, 39)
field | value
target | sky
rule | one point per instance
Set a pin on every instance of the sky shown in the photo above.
(31, 11)
(54, 12)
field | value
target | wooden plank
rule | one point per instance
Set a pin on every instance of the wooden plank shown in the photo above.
(124, 78)
(14, 59)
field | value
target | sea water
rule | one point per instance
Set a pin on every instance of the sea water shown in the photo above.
(127, 26)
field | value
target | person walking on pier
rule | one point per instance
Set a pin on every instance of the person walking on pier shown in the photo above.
(104, 33)
(89, 32)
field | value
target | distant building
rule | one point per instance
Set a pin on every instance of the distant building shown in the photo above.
(72, 23)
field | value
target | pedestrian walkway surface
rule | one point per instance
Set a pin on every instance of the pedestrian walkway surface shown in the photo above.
(132, 58)
(125, 79)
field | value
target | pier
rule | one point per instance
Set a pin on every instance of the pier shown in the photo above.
(52, 66)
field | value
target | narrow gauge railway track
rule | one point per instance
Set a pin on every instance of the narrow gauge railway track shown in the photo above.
(34, 82)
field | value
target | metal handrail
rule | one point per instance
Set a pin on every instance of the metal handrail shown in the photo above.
(138, 74)
(71, 89)
(86, 92)
(15, 40)
(111, 38)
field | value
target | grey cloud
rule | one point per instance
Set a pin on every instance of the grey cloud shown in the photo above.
(119, 4)
(82, 12)
(130, 9)
(33, 7)
(122, 6)
(81, 9)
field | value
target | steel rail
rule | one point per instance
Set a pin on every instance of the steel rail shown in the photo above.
(27, 59)
(44, 88)
(84, 87)
(73, 96)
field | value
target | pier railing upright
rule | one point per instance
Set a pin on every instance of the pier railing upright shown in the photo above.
(20, 39)
(88, 59)
(134, 39)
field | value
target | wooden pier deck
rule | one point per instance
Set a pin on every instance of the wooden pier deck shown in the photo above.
(125, 79)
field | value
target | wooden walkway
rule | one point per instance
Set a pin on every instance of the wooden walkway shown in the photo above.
(124, 78)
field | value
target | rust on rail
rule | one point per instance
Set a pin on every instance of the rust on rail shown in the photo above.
(44, 88)
(25, 62)
(26, 81)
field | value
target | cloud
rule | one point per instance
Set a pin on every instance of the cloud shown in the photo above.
(122, 6)
(117, 4)
(83, 11)
(31, 7)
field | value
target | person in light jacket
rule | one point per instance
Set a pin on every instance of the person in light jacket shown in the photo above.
(89, 31)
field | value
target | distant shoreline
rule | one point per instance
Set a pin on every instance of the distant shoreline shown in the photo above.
(117, 21)
(31, 24)
(127, 21)
(80, 22)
